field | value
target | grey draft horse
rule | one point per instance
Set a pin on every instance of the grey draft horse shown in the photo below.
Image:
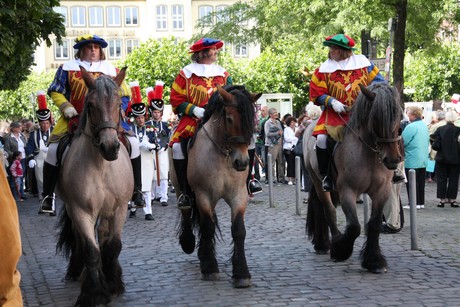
(95, 184)
(217, 169)
(363, 163)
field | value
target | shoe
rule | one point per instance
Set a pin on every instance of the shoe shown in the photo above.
(172, 190)
(398, 177)
(149, 217)
(305, 200)
(441, 204)
(157, 199)
(387, 229)
(327, 184)
(47, 204)
(53, 213)
(454, 204)
(164, 204)
(422, 206)
(138, 199)
(184, 202)
(40, 211)
(419, 207)
(132, 213)
(23, 197)
(290, 183)
(406, 207)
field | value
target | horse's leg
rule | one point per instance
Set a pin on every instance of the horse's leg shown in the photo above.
(241, 276)
(342, 245)
(110, 232)
(185, 232)
(69, 245)
(206, 247)
(371, 255)
(316, 226)
(94, 289)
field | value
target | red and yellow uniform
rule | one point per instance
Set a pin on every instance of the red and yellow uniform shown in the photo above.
(193, 87)
(340, 80)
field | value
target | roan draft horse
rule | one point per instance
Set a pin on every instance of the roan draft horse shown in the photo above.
(95, 189)
(362, 163)
(217, 168)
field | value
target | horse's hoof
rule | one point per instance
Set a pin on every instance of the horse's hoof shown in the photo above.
(211, 277)
(242, 283)
(378, 270)
(321, 251)
(187, 243)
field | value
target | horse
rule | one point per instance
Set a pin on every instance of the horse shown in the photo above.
(217, 169)
(364, 162)
(95, 189)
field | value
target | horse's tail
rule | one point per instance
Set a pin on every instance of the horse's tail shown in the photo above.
(65, 238)
(316, 225)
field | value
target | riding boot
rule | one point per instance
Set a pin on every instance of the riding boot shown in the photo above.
(50, 178)
(138, 198)
(181, 174)
(398, 176)
(323, 158)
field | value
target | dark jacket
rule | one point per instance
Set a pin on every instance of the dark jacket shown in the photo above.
(446, 144)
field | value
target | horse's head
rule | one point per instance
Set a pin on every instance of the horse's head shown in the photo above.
(379, 107)
(102, 109)
(237, 110)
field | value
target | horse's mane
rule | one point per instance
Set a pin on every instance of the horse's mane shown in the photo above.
(104, 85)
(245, 108)
(379, 116)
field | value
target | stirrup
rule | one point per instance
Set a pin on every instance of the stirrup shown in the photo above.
(47, 206)
(327, 184)
(398, 177)
(183, 202)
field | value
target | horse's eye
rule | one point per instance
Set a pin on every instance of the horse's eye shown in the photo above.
(229, 120)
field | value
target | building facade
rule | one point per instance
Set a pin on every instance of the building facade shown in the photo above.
(126, 24)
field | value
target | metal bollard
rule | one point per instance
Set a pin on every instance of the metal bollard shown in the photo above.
(298, 186)
(413, 209)
(270, 180)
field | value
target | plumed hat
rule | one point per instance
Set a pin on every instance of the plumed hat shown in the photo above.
(43, 113)
(340, 40)
(89, 38)
(206, 43)
(138, 109)
(137, 106)
(455, 98)
(155, 96)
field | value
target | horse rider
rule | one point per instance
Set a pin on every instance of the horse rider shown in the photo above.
(162, 134)
(147, 145)
(335, 86)
(68, 92)
(37, 145)
(190, 93)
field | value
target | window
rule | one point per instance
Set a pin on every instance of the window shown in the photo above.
(96, 16)
(61, 52)
(131, 44)
(204, 11)
(113, 16)
(114, 48)
(241, 50)
(63, 11)
(162, 19)
(220, 15)
(78, 16)
(177, 17)
(131, 16)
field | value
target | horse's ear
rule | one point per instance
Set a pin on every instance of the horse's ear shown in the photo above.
(368, 93)
(225, 95)
(255, 97)
(120, 76)
(89, 80)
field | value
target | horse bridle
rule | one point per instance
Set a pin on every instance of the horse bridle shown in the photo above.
(95, 129)
(239, 139)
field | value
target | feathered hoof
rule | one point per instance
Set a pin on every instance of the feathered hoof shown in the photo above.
(378, 270)
(187, 242)
(320, 251)
(241, 283)
(211, 277)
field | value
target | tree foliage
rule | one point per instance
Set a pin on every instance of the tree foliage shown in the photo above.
(24, 24)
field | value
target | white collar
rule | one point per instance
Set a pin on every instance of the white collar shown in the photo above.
(101, 66)
(353, 62)
(203, 70)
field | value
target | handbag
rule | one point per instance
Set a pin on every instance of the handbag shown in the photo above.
(298, 148)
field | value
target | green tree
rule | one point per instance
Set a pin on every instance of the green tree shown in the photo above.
(23, 24)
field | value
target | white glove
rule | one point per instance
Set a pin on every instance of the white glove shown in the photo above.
(32, 163)
(338, 106)
(70, 112)
(198, 112)
(149, 146)
(44, 149)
